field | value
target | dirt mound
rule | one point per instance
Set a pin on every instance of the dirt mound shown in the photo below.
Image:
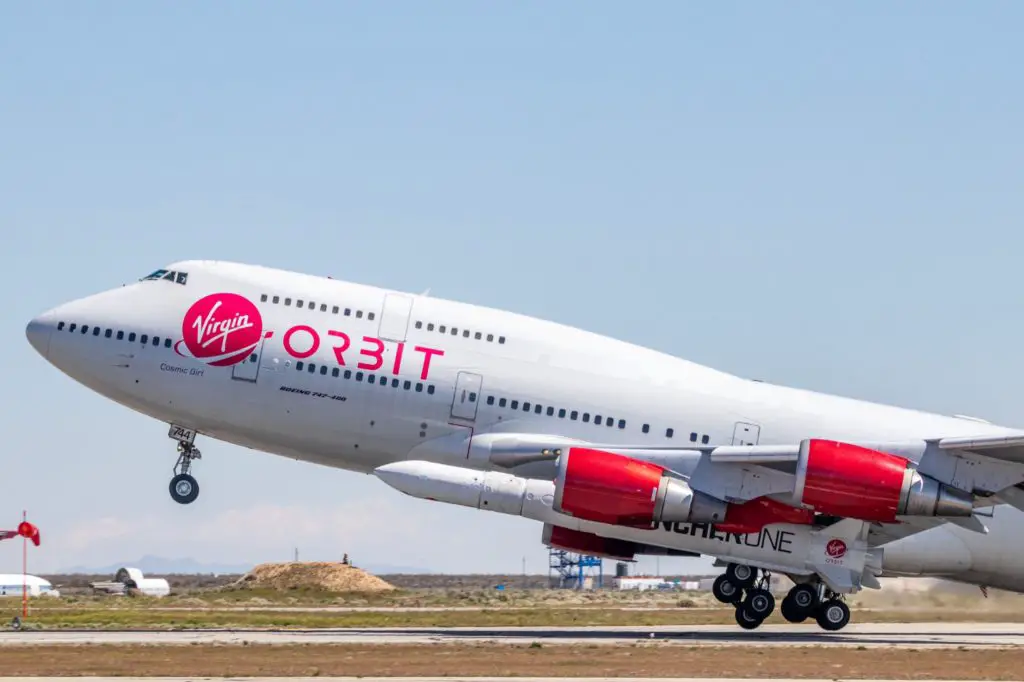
(320, 575)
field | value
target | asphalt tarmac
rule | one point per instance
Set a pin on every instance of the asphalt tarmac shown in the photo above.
(430, 679)
(966, 635)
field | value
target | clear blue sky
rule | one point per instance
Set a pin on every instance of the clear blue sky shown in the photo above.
(818, 194)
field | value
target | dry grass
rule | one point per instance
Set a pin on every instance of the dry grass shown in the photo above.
(316, 607)
(308, 619)
(647, 660)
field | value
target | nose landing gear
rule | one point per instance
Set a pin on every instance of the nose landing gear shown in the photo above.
(184, 488)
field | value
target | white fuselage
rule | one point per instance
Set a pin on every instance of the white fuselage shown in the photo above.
(354, 377)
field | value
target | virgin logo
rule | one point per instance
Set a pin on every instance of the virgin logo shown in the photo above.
(221, 329)
(836, 548)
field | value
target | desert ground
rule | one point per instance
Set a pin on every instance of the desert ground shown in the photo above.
(310, 596)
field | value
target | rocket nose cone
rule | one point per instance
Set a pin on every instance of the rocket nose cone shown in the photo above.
(408, 477)
(433, 481)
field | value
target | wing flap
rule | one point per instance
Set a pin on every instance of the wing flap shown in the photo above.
(1008, 448)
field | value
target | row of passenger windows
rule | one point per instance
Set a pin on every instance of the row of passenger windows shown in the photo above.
(119, 334)
(585, 417)
(419, 387)
(454, 331)
(358, 314)
(311, 305)
(336, 372)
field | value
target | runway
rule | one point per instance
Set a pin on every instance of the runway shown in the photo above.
(916, 635)
(452, 678)
(435, 679)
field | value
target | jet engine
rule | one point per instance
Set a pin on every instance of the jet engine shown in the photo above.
(594, 545)
(604, 487)
(841, 479)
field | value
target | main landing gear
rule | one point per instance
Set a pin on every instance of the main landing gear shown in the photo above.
(184, 488)
(742, 587)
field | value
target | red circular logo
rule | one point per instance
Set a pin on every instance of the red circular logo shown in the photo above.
(222, 329)
(835, 548)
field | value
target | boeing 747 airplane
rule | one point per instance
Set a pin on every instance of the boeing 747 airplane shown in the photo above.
(616, 449)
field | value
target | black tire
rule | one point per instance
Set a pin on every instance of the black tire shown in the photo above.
(741, 575)
(759, 603)
(805, 597)
(833, 615)
(791, 612)
(726, 591)
(184, 489)
(745, 619)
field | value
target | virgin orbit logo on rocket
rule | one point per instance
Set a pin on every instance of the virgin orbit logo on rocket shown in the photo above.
(220, 330)
(835, 549)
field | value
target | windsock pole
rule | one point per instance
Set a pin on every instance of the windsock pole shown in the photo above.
(24, 570)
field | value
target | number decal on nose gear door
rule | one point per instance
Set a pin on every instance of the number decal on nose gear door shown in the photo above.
(181, 434)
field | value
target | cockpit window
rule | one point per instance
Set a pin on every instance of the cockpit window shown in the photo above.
(178, 277)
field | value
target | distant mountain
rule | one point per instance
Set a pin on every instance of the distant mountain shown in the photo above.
(154, 565)
(390, 569)
(162, 566)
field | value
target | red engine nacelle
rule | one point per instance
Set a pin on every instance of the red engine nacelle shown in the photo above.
(587, 543)
(753, 515)
(841, 479)
(595, 545)
(608, 488)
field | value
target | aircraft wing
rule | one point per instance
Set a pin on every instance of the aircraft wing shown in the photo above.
(1008, 448)
(991, 468)
(1003, 455)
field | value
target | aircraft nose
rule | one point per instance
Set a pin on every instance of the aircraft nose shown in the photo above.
(38, 332)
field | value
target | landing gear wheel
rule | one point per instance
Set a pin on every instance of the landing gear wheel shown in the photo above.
(759, 603)
(184, 489)
(740, 575)
(800, 603)
(791, 612)
(804, 597)
(746, 620)
(833, 615)
(726, 591)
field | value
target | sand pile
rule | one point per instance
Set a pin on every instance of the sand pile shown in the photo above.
(320, 575)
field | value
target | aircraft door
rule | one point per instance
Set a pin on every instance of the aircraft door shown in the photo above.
(745, 434)
(249, 369)
(467, 396)
(394, 317)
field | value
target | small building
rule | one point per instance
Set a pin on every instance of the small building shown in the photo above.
(639, 583)
(131, 581)
(13, 584)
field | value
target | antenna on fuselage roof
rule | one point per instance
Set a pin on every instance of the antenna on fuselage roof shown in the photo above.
(426, 293)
